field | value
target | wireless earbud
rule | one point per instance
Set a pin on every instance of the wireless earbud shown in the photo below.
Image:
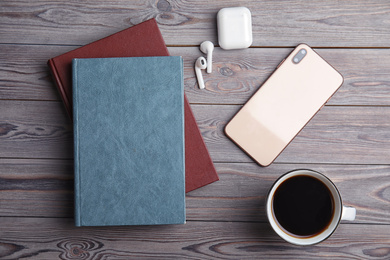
(207, 47)
(200, 64)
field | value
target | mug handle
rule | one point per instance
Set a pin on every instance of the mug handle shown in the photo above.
(349, 213)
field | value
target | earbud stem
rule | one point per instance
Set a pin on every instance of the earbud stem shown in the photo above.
(209, 62)
(199, 76)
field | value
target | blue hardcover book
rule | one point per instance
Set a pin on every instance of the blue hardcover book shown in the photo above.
(129, 141)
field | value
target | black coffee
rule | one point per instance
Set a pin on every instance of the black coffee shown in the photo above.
(303, 206)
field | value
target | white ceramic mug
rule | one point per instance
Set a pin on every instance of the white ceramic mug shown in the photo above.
(340, 212)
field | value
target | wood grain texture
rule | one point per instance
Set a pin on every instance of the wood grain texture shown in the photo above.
(33, 129)
(237, 75)
(348, 135)
(33, 238)
(241, 192)
(37, 187)
(287, 23)
(44, 188)
(348, 140)
(24, 74)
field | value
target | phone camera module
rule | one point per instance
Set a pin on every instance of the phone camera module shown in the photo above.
(299, 56)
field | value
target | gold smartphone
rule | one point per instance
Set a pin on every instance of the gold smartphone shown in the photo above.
(299, 87)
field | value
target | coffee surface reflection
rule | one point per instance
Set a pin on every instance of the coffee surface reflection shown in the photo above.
(303, 206)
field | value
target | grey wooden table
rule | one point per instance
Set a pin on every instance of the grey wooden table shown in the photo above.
(348, 140)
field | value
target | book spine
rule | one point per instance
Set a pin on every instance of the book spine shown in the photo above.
(181, 69)
(60, 87)
(77, 197)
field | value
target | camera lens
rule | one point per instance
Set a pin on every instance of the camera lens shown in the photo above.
(299, 56)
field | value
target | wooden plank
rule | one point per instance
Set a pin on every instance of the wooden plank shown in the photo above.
(44, 188)
(36, 187)
(348, 140)
(236, 76)
(24, 73)
(288, 23)
(240, 194)
(35, 129)
(57, 238)
(348, 135)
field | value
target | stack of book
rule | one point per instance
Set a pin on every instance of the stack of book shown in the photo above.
(137, 147)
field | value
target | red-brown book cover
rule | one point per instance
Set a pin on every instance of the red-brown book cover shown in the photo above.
(144, 39)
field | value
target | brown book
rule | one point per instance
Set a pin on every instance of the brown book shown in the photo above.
(140, 40)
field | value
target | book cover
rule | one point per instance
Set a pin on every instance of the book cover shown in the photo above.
(129, 141)
(140, 40)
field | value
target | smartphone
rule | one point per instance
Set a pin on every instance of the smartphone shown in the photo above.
(299, 87)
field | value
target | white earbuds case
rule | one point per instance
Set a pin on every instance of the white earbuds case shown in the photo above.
(234, 28)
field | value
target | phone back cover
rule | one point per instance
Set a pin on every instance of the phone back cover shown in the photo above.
(283, 105)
